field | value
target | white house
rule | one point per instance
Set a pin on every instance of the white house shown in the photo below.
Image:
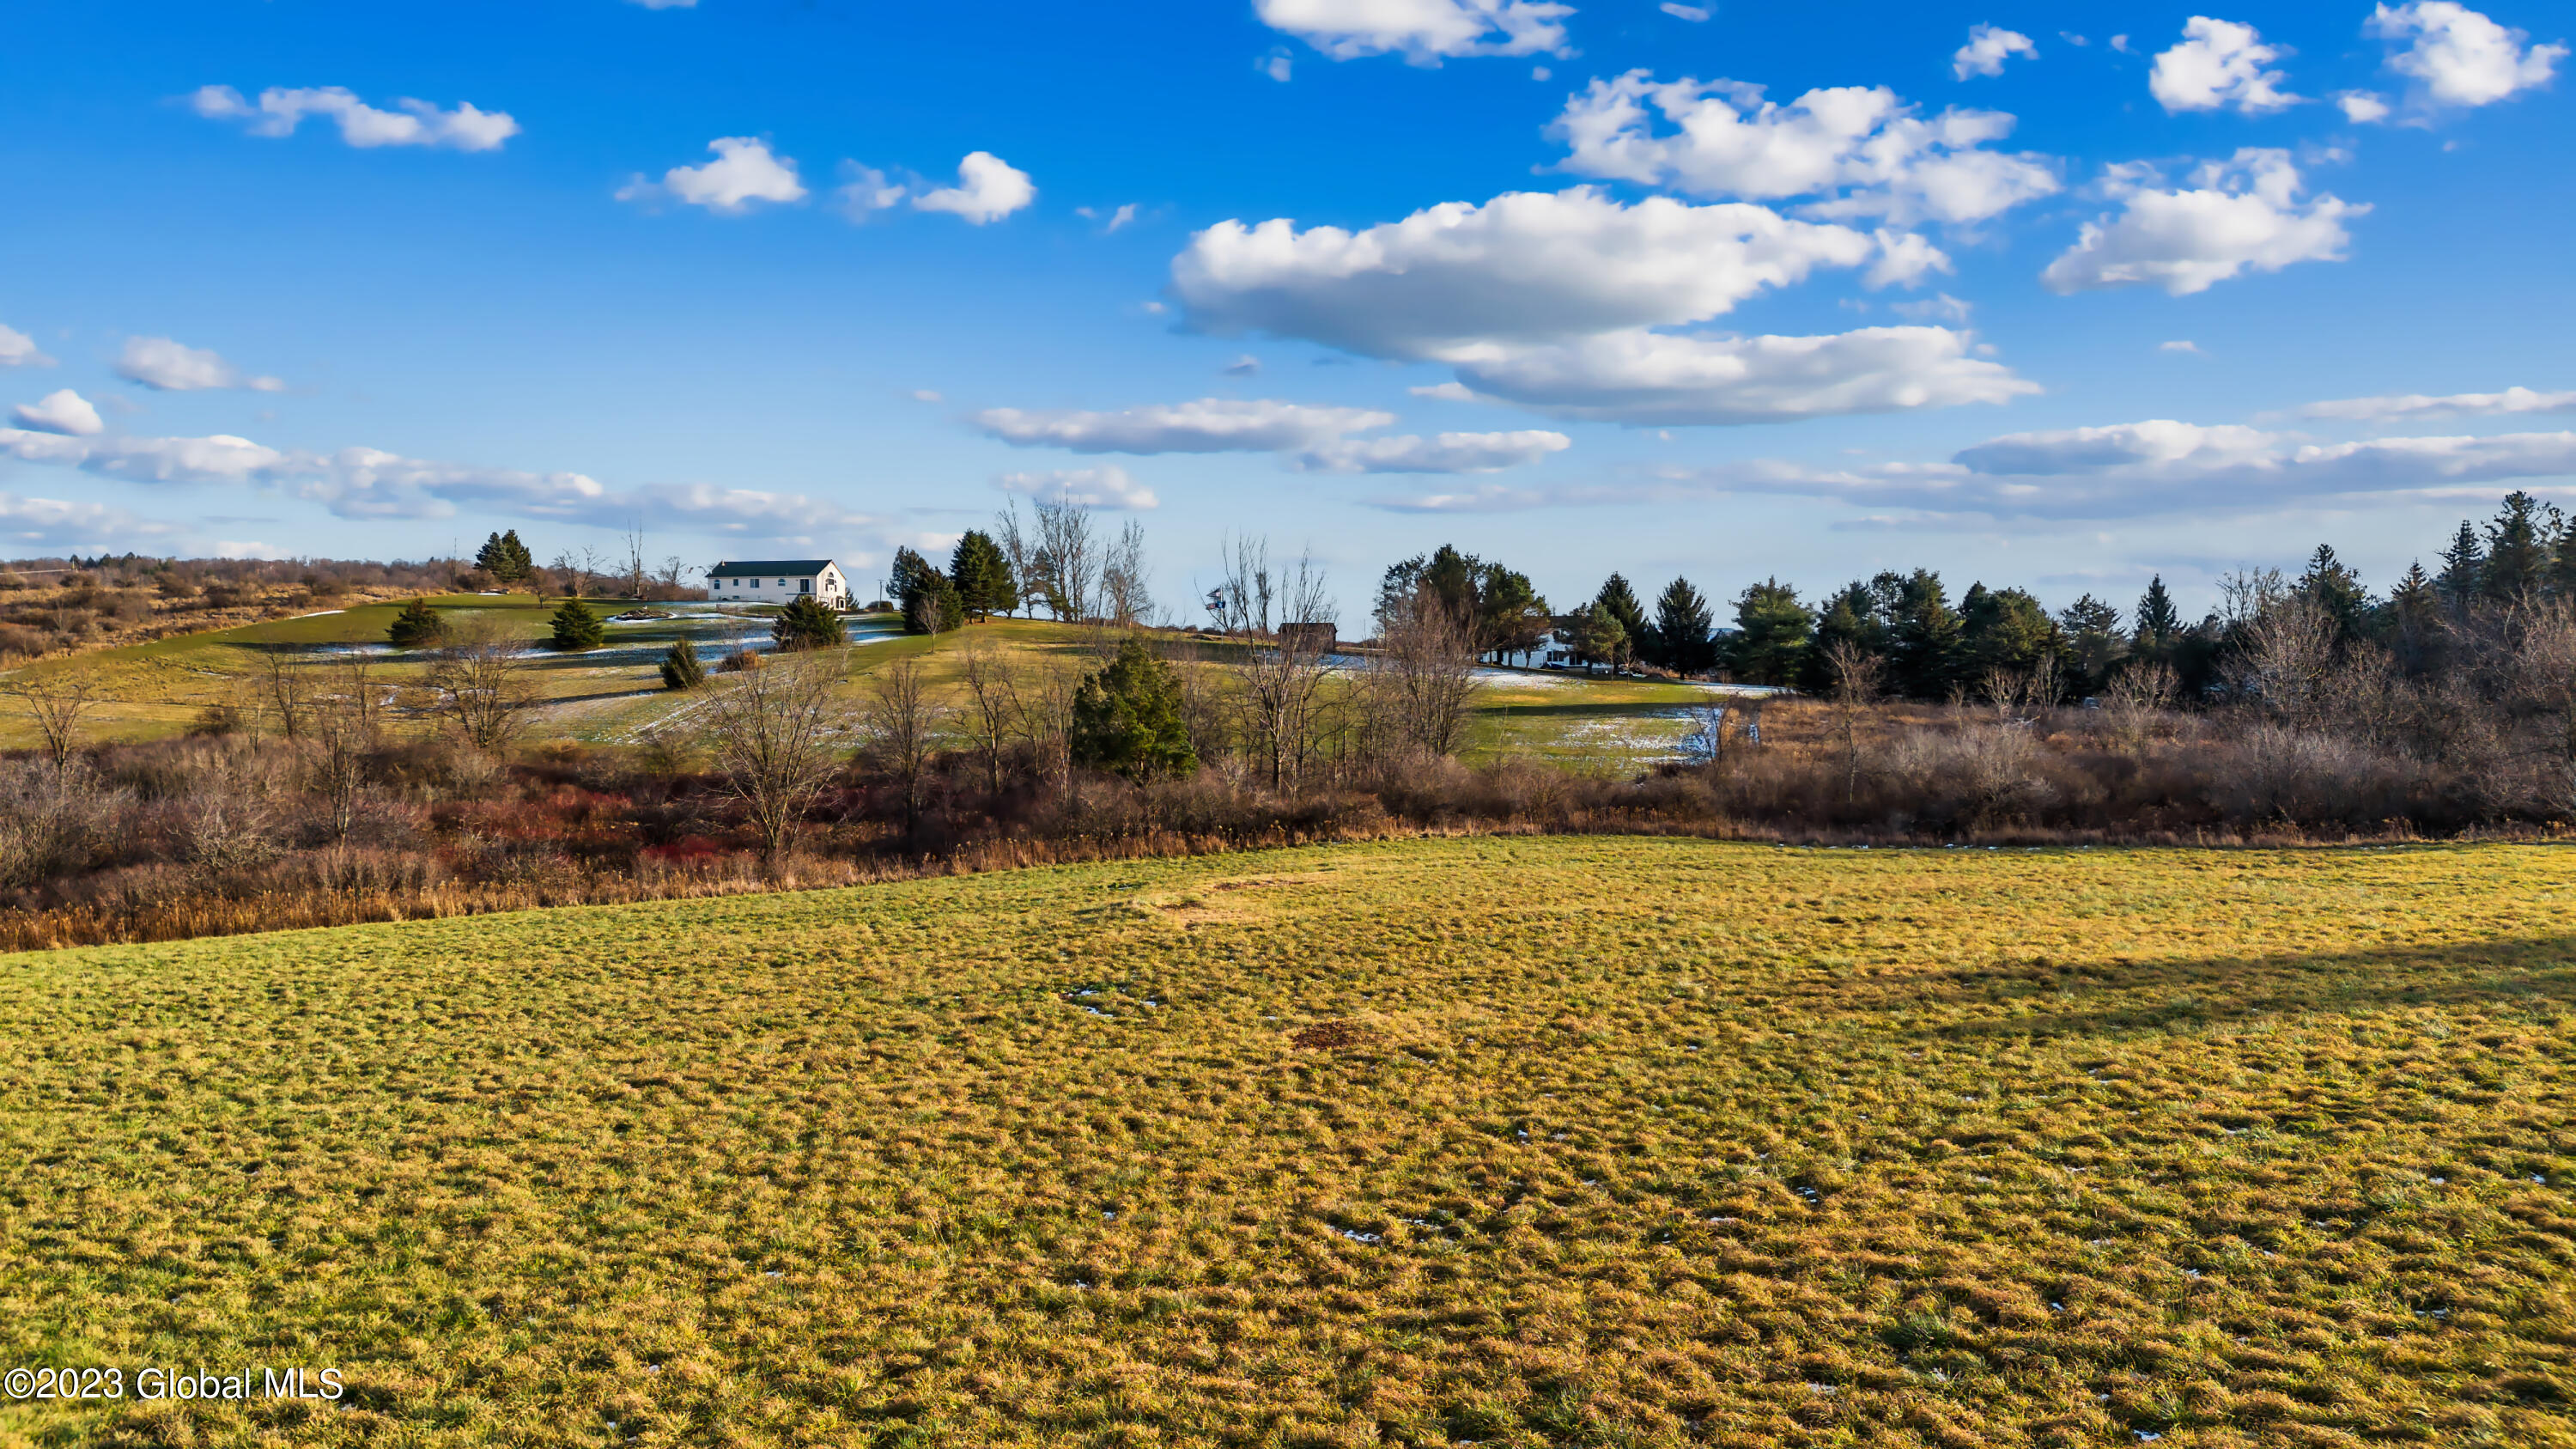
(779, 581)
(1552, 651)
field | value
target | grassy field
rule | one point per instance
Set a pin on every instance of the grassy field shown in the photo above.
(1530, 1142)
(612, 694)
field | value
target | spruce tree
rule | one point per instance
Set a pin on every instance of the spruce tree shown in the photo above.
(806, 624)
(1127, 718)
(1773, 632)
(1597, 636)
(932, 606)
(505, 558)
(1923, 638)
(1681, 628)
(982, 576)
(2517, 548)
(2337, 590)
(2464, 566)
(416, 625)
(1510, 615)
(576, 628)
(2159, 622)
(681, 668)
(1621, 603)
(2415, 620)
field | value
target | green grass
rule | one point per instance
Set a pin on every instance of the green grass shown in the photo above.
(155, 690)
(1552, 1141)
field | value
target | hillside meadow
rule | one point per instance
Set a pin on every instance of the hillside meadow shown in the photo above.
(1560, 1141)
(614, 694)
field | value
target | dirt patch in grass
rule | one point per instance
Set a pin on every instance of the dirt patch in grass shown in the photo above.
(1658, 1143)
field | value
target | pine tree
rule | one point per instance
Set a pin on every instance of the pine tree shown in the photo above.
(2159, 622)
(416, 625)
(2415, 620)
(982, 576)
(681, 668)
(806, 624)
(2517, 548)
(505, 558)
(932, 606)
(1597, 636)
(1772, 634)
(1510, 615)
(1681, 628)
(1127, 718)
(1923, 638)
(2093, 641)
(576, 628)
(2464, 566)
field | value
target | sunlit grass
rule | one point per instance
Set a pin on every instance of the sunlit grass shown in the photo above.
(1562, 1141)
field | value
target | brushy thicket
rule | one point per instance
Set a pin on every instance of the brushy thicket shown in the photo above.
(226, 834)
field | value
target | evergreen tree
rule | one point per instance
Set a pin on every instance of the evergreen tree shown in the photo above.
(2337, 590)
(1681, 629)
(2159, 622)
(2415, 620)
(505, 558)
(1773, 631)
(910, 572)
(982, 576)
(933, 607)
(1923, 637)
(416, 625)
(1446, 575)
(681, 668)
(1597, 636)
(806, 624)
(1127, 718)
(2005, 629)
(1621, 603)
(1850, 617)
(1510, 615)
(2464, 566)
(576, 628)
(2094, 642)
(2517, 548)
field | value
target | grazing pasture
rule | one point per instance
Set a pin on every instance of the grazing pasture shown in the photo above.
(1547, 1141)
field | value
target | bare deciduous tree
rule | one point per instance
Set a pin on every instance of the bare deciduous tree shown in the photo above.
(343, 728)
(1421, 683)
(57, 705)
(772, 729)
(1126, 599)
(1066, 562)
(1855, 674)
(1022, 554)
(481, 684)
(285, 689)
(1280, 683)
(991, 684)
(903, 724)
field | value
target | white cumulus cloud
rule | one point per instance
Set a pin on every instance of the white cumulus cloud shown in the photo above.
(1988, 47)
(166, 366)
(2219, 63)
(1652, 378)
(988, 188)
(2362, 108)
(1524, 267)
(1858, 150)
(17, 349)
(1209, 425)
(744, 171)
(1422, 31)
(2401, 407)
(1445, 453)
(279, 110)
(2457, 57)
(1107, 486)
(65, 412)
(2238, 215)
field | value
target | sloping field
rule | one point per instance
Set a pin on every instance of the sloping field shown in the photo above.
(1562, 1141)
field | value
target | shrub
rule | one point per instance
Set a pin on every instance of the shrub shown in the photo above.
(741, 661)
(680, 667)
(418, 624)
(1127, 718)
(577, 628)
(806, 624)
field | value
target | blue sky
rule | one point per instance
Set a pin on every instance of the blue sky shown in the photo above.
(2051, 295)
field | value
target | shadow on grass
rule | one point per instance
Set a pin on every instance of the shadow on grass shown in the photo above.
(1640, 709)
(2531, 971)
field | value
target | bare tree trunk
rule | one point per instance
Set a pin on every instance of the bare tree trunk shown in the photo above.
(1856, 673)
(1426, 673)
(990, 686)
(57, 705)
(1068, 562)
(481, 684)
(1281, 686)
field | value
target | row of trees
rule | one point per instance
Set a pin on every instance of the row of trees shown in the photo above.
(1060, 559)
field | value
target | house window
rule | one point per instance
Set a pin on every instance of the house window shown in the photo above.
(804, 586)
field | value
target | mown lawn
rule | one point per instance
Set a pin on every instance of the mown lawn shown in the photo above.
(1549, 1141)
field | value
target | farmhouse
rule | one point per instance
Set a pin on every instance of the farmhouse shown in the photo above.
(1552, 650)
(777, 581)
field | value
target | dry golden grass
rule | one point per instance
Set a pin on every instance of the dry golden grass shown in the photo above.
(1563, 1141)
